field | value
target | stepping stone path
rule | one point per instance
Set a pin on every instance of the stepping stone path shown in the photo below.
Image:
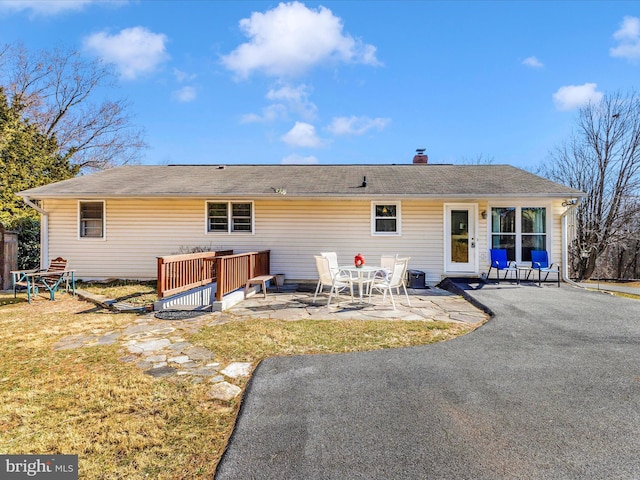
(157, 347)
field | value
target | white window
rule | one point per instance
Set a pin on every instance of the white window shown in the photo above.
(229, 217)
(91, 219)
(385, 218)
(519, 230)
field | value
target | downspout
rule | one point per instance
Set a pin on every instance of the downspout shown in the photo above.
(565, 245)
(44, 231)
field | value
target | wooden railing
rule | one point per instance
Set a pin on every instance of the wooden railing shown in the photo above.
(234, 270)
(178, 273)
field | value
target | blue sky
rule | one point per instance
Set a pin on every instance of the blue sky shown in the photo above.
(347, 81)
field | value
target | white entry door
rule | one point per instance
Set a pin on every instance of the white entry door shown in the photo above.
(460, 238)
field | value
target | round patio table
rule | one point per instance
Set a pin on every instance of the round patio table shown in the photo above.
(365, 275)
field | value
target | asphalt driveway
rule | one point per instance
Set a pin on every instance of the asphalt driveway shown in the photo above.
(548, 389)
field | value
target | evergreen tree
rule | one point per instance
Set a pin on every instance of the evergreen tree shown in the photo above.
(27, 159)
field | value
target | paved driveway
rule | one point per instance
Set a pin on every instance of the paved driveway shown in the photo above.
(548, 389)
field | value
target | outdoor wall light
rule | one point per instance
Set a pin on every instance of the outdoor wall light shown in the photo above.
(484, 214)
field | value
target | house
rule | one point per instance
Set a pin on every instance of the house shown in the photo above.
(115, 223)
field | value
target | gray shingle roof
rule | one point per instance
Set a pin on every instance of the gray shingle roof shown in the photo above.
(408, 180)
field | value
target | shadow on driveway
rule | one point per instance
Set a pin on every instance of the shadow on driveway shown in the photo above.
(547, 389)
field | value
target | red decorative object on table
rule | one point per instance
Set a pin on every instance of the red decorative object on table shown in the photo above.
(358, 260)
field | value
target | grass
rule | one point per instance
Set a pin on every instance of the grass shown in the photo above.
(133, 292)
(124, 424)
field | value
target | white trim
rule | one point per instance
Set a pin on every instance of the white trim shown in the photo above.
(473, 236)
(104, 221)
(398, 205)
(519, 205)
(229, 217)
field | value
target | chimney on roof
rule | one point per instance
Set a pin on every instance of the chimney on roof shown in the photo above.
(420, 157)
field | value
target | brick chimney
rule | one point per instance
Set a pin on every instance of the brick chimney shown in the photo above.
(420, 157)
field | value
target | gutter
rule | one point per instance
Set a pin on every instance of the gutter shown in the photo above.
(44, 230)
(565, 245)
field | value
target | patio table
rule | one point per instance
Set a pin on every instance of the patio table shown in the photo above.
(49, 280)
(361, 279)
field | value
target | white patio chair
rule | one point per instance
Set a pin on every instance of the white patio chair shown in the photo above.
(341, 281)
(395, 281)
(333, 261)
(336, 282)
(388, 261)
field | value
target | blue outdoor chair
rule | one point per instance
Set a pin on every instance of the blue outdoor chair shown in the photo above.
(500, 263)
(540, 262)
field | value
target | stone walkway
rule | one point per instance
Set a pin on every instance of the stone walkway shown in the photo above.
(159, 347)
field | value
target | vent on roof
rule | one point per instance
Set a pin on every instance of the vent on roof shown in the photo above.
(420, 157)
(220, 167)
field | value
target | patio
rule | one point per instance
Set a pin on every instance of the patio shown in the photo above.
(295, 302)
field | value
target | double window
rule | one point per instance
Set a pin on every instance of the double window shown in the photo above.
(385, 218)
(229, 217)
(91, 219)
(519, 230)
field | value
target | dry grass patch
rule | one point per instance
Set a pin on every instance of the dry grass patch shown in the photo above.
(121, 422)
(254, 340)
(124, 424)
(133, 292)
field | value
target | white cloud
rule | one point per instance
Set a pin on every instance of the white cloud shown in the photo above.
(302, 135)
(183, 76)
(532, 62)
(291, 39)
(289, 99)
(269, 114)
(185, 94)
(575, 96)
(295, 99)
(296, 159)
(628, 36)
(289, 93)
(135, 51)
(43, 7)
(356, 125)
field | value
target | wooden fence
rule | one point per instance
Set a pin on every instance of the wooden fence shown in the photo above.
(179, 273)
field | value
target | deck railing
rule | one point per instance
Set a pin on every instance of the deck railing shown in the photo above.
(234, 270)
(178, 273)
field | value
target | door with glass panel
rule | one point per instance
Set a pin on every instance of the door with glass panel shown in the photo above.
(460, 238)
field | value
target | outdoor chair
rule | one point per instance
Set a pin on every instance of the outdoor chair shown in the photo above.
(500, 263)
(50, 278)
(540, 262)
(326, 278)
(333, 260)
(389, 282)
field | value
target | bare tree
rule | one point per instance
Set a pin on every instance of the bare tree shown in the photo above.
(602, 158)
(479, 159)
(59, 91)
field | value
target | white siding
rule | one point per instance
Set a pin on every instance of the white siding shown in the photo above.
(139, 230)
